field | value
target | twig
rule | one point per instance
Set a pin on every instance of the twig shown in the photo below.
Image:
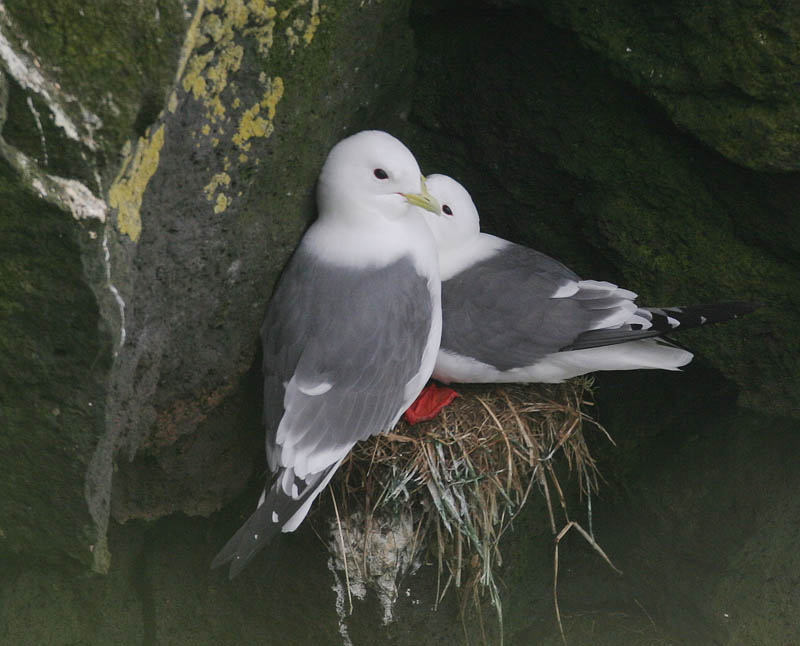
(344, 552)
(591, 542)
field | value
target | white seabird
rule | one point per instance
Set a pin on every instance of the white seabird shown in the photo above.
(512, 314)
(352, 330)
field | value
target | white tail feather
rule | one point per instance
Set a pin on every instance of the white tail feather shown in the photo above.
(634, 355)
(554, 368)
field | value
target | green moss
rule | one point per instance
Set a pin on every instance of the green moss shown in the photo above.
(726, 71)
(131, 46)
(52, 356)
(30, 128)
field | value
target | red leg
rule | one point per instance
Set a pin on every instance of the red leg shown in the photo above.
(430, 401)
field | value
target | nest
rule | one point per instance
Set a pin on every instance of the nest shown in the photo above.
(454, 485)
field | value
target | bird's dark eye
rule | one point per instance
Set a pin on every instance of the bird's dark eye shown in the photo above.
(380, 173)
(447, 210)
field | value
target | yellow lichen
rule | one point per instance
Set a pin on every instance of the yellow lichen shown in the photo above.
(224, 22)
(222, 203)
(221, 33)
(190, 44)
(293, 39)
(220, 179)
(252, 123)
(273, 94)
(308, 34)
(127, 191)
(219, 198)
(298, 24)
(193, 80)
(212, 25)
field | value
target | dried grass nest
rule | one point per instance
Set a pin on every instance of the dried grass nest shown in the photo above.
(454, 485)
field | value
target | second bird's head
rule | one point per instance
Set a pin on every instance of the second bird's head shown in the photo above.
(459, 221)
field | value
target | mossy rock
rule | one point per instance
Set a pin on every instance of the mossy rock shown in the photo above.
(728, 72)
(54, 354)
(157, 179)
(169, 159)
(114, 62)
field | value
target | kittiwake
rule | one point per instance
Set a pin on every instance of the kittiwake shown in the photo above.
(512, 314)
(351, 332)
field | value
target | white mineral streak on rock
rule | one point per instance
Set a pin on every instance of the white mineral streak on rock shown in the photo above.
(35, 113)
(30, 77)
(68, 194)
(78, 199)
(114, 291)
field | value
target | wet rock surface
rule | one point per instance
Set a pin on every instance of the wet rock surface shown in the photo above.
(158, 167)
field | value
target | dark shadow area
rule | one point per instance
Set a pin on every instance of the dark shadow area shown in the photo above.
(561, 151)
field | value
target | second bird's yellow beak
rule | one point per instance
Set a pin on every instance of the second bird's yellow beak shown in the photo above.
(424, 200)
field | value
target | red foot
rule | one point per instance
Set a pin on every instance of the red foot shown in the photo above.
(430, 401)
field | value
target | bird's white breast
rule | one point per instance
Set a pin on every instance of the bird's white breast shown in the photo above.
(454, 260)
(378, 244)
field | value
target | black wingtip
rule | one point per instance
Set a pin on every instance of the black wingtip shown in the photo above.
(221, 559)
(249, 540)
(666, 320)
(237, 564)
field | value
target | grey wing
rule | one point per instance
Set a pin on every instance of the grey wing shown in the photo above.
(514, 308)
(340, 345)
(283, 333)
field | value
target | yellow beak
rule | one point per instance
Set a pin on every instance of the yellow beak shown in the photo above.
(424, 200)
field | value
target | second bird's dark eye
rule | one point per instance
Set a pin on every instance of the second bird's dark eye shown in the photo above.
(380, 173)
(447, 210)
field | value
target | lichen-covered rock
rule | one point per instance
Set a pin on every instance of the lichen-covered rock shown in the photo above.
(172, 153)
(728, 72)
(209, 204)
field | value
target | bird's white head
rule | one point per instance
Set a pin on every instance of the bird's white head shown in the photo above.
(459, 222)
(371, 174)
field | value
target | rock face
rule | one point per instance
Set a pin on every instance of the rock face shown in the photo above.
(209, 204)
(77, 81)
(157, 167)
(185, 164)
(727, 72)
